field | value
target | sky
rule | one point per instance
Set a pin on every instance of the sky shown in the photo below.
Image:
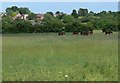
(66, 7)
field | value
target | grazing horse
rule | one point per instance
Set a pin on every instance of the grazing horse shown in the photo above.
(84, 33)
(108, 32)
(75, 33)
(91, 32)
(61, 33)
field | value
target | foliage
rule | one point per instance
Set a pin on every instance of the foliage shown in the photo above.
(24, 10)
(83, 20)
(7, 25)
(51, 13)
(52, 24)
(32, 16)
(82, 12)
(74, 14)
(68, 19)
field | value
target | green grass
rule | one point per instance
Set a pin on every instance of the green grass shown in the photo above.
(47, 56)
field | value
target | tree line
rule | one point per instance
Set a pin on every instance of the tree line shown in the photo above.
(80, 20)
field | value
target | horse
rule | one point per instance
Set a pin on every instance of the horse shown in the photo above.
(108, 32)
(91, 32)
(61, 33)
(75, 33)
(85, 33)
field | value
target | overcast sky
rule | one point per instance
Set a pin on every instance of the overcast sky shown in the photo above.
(66, 7)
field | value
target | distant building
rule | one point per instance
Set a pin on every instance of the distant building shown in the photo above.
(25, 16)
(40, 16)
(19, 16)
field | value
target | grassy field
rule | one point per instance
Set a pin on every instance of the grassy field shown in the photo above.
(47, 56)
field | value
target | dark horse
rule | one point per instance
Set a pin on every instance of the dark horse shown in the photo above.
(75, 33)
(85, 33)
(61, 33)
(91, 32)
(108, 32)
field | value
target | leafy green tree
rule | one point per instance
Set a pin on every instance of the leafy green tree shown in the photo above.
(57, 25)
(51, 13)
(14, 8)
(32, 16)
(48, 18)
(82, 12)
(60, 15)
(69, 27)
(52, 24)
(68, 18)
(24, 10)
(7, 25)
(91, 13)
(74, 14)
(9, 11)
(85, 19)
(76, 26)
(22, 26)
(58, 12)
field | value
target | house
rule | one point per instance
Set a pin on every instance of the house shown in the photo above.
(40, 16)
(19, 16)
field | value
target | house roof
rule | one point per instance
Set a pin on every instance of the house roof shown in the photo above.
(40, 15)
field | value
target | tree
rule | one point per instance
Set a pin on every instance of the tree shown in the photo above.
(91, 13)
(57, 25)
(14, 8)
(52, 24)
(31, 16)
(48, 18)
(24, 10)
(51, 13)
(7, 25)
(68, 18)
(9, 11)
(22, 26)
(74, 14)
(58, 12)
(84, 19)
(82, 12)
(69, 27)
(76, 26)
(60, 15)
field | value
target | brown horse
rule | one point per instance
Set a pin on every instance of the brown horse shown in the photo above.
(91, 32)
(85, 33)
(108, 32)
(61, 33)
(75, 33)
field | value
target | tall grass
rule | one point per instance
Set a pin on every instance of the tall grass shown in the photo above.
(47, 56)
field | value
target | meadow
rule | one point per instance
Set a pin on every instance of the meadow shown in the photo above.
(49, 57)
